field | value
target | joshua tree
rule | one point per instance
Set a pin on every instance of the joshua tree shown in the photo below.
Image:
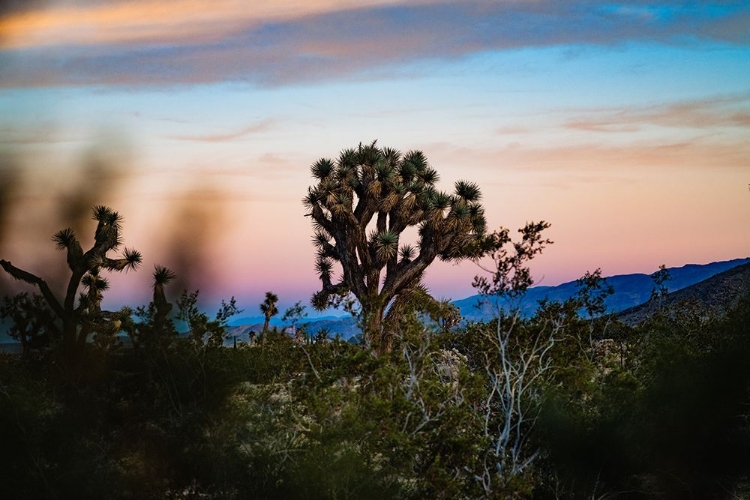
(361, 205)
(78, 322)
(155, 327)
(269, 309)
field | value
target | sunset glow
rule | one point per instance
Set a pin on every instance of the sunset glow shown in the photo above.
(625, 125)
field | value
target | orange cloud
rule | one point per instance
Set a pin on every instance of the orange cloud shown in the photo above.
(143, 21)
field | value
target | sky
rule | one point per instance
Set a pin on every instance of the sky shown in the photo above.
(625, 125)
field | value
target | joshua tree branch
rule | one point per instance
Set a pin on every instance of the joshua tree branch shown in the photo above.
(22, 275)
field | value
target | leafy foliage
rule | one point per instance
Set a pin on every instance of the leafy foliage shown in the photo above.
(201, 330)
(32, 323)
(510, 275)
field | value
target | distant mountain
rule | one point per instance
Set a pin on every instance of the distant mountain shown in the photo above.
(630, 290)
(345, 327)
(253, 320)
(276, 320)
(717, 294)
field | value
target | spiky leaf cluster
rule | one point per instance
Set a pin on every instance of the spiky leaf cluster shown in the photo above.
(106, 238)
(95, 287)
(162, 277)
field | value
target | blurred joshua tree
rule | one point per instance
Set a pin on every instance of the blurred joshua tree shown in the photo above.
(361, 205)
(155, 328)
(79, 321)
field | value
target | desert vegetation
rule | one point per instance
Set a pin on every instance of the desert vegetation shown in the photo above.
(148, 402)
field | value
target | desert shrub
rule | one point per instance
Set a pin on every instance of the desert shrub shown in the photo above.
(674, 425)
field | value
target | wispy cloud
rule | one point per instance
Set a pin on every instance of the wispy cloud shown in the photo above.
(724, 111)
(44, 133)
(597, 159)
(278, 43)
(225, 136)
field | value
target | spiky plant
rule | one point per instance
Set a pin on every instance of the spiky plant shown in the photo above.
(85, 268)
(162, 277)
(360, 206)
(155, 328)
(269, 309)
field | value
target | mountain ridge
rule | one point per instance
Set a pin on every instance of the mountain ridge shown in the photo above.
(715, 295)
(632, 291)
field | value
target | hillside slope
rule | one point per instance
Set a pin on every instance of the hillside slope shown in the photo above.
(716, 295)
(631, 290)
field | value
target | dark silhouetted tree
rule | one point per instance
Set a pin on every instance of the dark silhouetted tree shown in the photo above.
(202, 331)
(592, 293)
(360, 207)
(80, 321)
(32, 323)
(155, 328)
(269, 309)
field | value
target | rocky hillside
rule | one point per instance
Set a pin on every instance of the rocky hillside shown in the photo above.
(631, 290)
(714, 295)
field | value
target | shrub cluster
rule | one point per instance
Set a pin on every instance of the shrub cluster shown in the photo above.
(516, 408)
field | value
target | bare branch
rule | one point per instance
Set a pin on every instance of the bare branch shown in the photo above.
(31, 279)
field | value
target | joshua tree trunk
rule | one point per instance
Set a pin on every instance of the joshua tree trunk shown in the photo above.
(372, 324)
